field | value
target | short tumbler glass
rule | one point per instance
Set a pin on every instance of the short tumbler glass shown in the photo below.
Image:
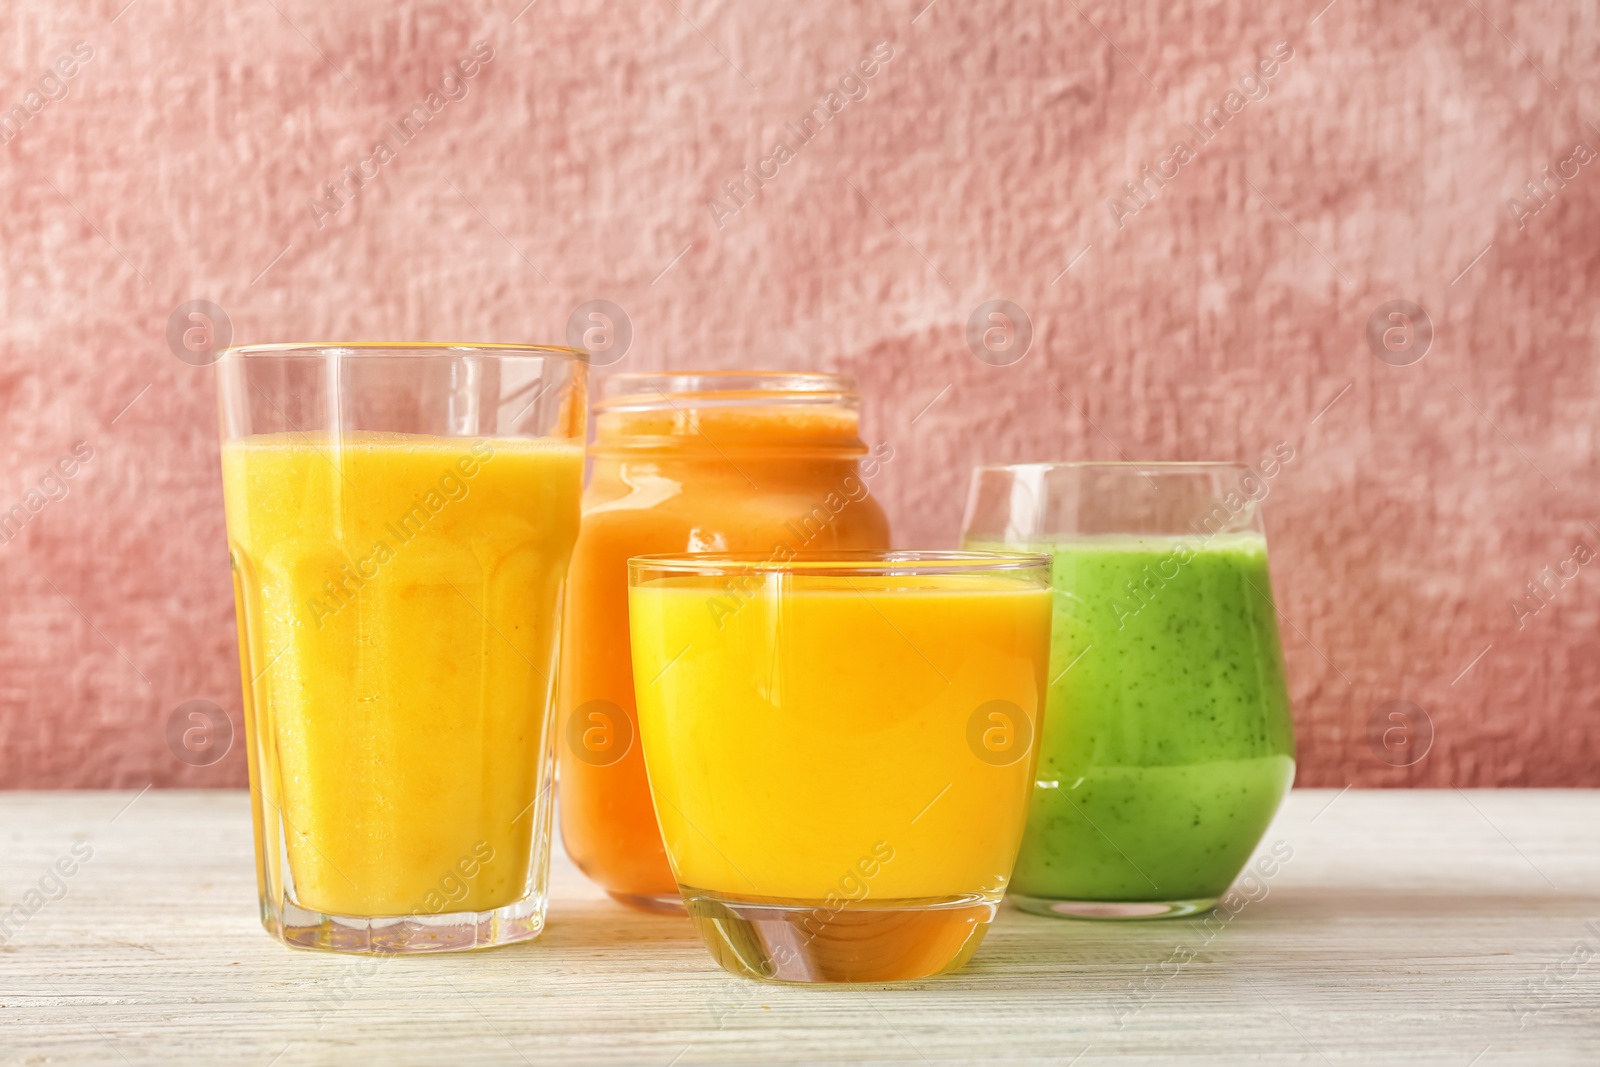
(1167, 743)
(840, 749)
(400, 519)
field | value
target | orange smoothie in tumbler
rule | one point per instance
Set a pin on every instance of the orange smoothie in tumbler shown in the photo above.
(739, 462)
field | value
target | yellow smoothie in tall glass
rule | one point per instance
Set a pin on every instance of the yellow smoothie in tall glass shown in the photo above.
(396, 595)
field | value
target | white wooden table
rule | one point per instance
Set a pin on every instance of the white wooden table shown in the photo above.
(1435, 927)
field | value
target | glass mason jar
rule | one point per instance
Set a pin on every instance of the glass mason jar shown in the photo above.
(1168, 742)
(715, 462)
(400, 519)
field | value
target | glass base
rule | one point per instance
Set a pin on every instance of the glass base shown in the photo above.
(393, 935)
(1112, 909)
(656, 904)
(785, 940)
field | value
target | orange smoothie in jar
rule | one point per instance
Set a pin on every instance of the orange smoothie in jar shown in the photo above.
(739, 462)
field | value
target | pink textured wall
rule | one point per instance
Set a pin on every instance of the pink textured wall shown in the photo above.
(1211, 318)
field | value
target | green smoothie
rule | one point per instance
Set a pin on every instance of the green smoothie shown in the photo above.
(1167, 743)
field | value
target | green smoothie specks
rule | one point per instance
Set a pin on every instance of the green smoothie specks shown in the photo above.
(1168, 745)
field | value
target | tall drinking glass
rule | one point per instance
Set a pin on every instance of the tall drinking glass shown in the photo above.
(840, 749)
(400, 519)
(1167, 743)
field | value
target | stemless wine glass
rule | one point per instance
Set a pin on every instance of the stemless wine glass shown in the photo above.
(1168, 742)
(840, 749)
(400, 519)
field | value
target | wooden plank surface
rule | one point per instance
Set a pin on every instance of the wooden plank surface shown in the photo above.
(1416, 927)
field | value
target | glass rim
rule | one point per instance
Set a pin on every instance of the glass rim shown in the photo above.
(650, 390)
(319, 349)
(890, 562)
